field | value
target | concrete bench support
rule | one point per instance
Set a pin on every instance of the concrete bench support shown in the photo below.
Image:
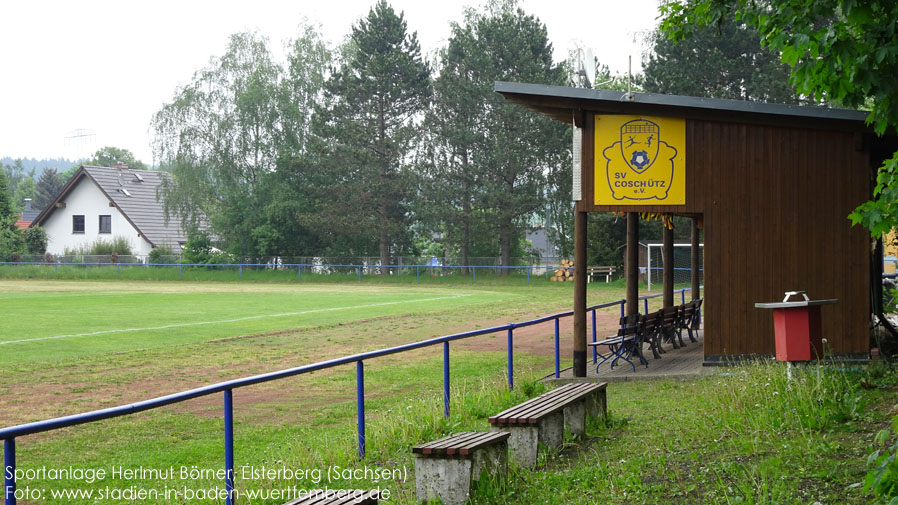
(526, 439)
(540, 422)
(446, 468)
(597, 403)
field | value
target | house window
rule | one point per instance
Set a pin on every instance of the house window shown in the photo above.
(105, 224)
(77, 224)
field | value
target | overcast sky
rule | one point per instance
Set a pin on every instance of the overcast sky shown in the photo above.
(104, 67)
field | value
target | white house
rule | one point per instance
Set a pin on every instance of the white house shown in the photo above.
(105, 203)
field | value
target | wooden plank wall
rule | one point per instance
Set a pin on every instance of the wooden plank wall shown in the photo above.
(775, 202)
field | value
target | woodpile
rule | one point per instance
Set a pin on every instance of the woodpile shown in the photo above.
(565, 273)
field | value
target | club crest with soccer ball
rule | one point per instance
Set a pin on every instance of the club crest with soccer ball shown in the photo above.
(640, 164)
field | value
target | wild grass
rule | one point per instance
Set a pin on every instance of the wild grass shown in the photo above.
(720, 439)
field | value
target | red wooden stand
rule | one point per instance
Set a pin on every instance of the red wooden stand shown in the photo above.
(797, 328)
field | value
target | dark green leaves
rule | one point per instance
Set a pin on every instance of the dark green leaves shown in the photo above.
(840, 51)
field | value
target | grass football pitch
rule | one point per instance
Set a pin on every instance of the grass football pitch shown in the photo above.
(62, 320)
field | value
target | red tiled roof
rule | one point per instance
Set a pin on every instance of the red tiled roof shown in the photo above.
(22, 224)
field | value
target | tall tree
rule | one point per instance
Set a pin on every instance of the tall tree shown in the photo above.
(8, 214)
(109, 156)
(506, 44)
(284, 195)
(301, 87)
(230, 139)
(15, 173)
(48, 186)
(11, 240)
(839, 50)
(726, 61)
(369, 126)
(24, 190)
(450, 187)
(219, 137)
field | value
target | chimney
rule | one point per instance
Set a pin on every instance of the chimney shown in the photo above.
(28, 205)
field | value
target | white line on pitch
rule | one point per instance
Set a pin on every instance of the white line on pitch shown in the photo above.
(248, 318)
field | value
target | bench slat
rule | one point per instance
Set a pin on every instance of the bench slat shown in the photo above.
(553, 403)
(614, 340)
(459, 444)
(444, 442)
(532, 410)
(486, 439)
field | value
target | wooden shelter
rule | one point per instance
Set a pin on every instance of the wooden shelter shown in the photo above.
(771, 187)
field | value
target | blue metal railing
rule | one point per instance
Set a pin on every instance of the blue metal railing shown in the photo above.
(9, 435)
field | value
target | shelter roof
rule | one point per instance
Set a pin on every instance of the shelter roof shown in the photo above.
(558, 102)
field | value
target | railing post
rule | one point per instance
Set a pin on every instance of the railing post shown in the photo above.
(240, 271)
(557, 352)
(682, 296)
(528, 274)
(510, 357)
(474, 270)
(360, 280)
(9, 471)
(622, 313)
(595, 351)
(118, 268)
(298, 272)
(446, 379)
(417, 273)
(179, 270)
(360, 400)
(646, 305)
(229, 445)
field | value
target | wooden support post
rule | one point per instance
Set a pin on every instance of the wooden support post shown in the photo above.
(632, 266)
(696, 265)
(667, 274)
(579, 294)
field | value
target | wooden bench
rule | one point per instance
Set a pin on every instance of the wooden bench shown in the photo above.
(540, 421)
(669, 323)
(445, 468)
(607, 271)
(622, 345)
(687, 320)
(695, 322)
(337, 497)
(650, 332)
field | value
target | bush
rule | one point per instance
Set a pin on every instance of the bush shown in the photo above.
(101, 247)
(12, 243)
(35, 240)
(199, 251)
(161, 255)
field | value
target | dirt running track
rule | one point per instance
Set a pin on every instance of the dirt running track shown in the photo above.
(538, 340)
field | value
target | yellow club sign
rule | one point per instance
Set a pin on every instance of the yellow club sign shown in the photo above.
(640, 160)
